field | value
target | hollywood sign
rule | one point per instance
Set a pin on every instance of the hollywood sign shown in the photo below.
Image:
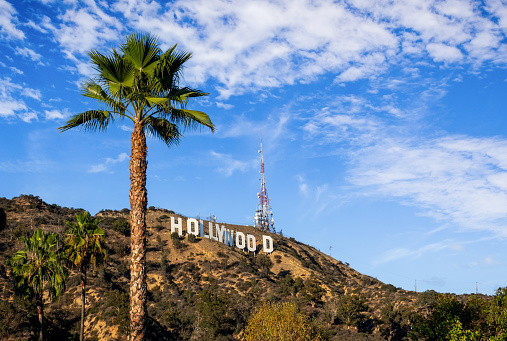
(222, 235)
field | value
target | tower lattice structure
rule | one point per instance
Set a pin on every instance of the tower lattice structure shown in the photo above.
(263, 218)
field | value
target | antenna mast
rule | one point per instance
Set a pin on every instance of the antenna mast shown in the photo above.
(263, 218)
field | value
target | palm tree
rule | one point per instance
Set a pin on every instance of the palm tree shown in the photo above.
(37, 268)
(84, 246)
(140, 82)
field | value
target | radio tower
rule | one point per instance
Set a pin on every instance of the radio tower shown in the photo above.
(263, 218)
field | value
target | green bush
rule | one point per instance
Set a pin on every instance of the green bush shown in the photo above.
(176, 240)
(122, 226)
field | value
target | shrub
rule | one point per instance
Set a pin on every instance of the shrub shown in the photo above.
(192, 238)
(222, 255)
(263, 261)
(176, 240)
(122, 226)
(282, 321)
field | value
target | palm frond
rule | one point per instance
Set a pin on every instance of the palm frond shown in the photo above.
(114, 70)
(163, 129)
(170, 67)
(190, 119)
(142, 50)
(91, 120)
(179, 96)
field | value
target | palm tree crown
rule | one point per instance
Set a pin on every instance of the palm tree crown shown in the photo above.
(38, 268)
(84, 246)
(141, 83)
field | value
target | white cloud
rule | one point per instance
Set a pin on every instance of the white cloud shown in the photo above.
(227, 165)
(486, 261)
(107, 164)
(83, 27)
(54, 114)
(28, 116)
(32, 93)
(454, 178)
(303, 185)
(8, 22)
(27, 166)
(26, 52)
(225, 106)
(10, 103)
(255, 45)
(404, 253)
(444, 53)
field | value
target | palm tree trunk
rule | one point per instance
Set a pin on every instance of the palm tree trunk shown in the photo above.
(138, 203)
(40, 313)
(83, 303)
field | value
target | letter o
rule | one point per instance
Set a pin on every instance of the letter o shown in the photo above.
(193, 226)
(250, 239)
(240, 245)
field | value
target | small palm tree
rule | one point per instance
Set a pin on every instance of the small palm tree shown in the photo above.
(140, 82)
(84, 247)
(38, 268)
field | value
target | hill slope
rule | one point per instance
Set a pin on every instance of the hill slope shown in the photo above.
(200, 289)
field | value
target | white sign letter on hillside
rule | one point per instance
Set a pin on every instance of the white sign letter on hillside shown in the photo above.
(251, 243)
(211, 236)
(220, 233)
(204, 235)
(240, 245)
(229, 237)
(193, 226)
(178, 226)
(265, 241)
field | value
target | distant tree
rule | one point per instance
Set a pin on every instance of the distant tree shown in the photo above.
(495, 316)
(38, 269)
(351, 310)
(216, 319)
(286, 285)
(443, 317)
(282, 321)
(394, 323)
(312, 291)
(264, 262)
(84, 247)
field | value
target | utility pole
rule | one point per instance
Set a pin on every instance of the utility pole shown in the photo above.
(330, 248)
(416, 285)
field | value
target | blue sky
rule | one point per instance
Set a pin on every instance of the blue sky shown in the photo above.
(383, 124)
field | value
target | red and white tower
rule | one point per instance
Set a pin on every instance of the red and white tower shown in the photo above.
(263, 218)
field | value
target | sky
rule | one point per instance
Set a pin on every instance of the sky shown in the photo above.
(383, 124)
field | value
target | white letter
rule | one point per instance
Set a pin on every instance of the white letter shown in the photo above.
(211, 231)
(229, 237)
(220, 233)
(265, 244)
(242, 244)
(193, 226)
(250, 239)
(204, 235)
(178, 226)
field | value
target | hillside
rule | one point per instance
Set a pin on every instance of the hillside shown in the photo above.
(202, 290)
